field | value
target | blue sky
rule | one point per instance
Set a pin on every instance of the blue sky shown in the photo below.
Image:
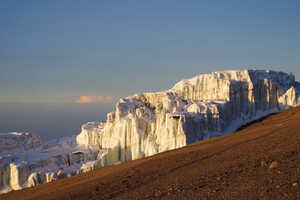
(53, 52)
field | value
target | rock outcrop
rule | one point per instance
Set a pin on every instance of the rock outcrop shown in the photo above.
(205, 106)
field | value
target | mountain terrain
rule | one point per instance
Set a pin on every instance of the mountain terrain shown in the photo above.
(261, 161)
(145, 124)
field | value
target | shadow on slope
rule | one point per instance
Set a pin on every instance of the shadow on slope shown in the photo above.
(254, 122)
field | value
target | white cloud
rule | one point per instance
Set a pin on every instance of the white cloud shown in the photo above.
(94, 99)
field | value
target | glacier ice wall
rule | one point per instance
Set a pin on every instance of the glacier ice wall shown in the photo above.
(197, 108)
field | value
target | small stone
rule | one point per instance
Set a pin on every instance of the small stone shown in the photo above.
(263, 163)
(274, 164)
(269, 190)
(157, 193)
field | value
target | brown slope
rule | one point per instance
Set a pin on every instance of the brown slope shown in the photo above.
(235, 166)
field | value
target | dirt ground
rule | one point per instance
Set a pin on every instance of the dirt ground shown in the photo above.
(262, 161)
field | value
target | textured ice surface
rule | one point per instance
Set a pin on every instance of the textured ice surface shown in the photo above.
(29, 162)
(205, 106)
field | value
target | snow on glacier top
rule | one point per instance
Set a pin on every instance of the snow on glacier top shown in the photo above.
(283, 79)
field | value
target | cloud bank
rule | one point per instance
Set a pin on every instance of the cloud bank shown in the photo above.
(94, 99)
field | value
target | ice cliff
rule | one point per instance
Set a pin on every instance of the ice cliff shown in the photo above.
(145, 124)
(205, 106)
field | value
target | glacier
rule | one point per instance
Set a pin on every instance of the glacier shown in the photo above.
(205, 106)
(29, 162)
